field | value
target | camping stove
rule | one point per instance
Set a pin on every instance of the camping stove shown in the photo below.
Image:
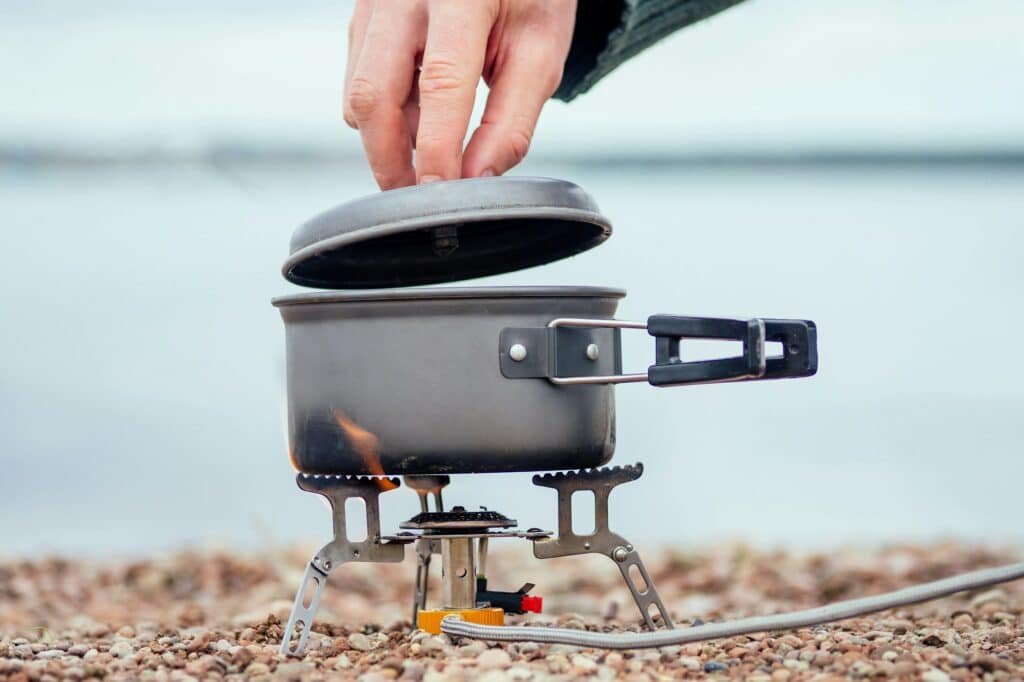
(462, 538)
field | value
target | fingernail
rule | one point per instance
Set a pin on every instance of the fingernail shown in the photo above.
(488, 173)
(429, 178)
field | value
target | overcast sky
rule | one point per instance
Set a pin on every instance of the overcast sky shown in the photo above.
(767, 74)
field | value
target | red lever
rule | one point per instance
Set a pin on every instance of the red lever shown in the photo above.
(532, 604)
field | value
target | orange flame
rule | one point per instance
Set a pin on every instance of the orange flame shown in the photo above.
(366, 445)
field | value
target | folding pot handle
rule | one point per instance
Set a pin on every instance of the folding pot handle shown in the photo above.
(569, 351)
(669, 369)
(798, 338)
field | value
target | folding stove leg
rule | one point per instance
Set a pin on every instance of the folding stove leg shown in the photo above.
(425, 486)
(602, 541)
(337, 489)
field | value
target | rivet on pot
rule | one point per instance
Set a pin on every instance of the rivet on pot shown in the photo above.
(517, 352)
(593, 351)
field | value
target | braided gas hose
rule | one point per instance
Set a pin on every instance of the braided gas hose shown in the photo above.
(454, 626)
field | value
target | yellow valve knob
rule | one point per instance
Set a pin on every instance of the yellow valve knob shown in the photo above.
(430, 620)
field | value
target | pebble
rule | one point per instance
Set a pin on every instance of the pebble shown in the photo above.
(121, 649)
(934, 675)
(583, 663)
(714, 667)
(293, 669)
(494, 676)
(563, 649)
(359, 642)
(1001, 636)
(690, 663)
(472, 649)
(997, 595)
(493, 658)
(558, 663)
(431, 643)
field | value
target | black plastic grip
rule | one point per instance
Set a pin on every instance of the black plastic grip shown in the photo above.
(799, 340)
(670, 369)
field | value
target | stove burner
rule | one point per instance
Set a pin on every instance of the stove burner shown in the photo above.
(458, 519)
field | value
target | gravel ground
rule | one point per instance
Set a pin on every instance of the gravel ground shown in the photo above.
(208, 614)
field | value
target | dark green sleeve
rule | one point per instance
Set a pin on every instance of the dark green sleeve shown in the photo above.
(608, 32)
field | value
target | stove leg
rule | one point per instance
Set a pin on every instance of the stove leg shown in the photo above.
(337, 490)
(425, 486)
(424, 550)
(602, 541)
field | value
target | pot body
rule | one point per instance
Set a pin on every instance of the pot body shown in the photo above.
(410, 382)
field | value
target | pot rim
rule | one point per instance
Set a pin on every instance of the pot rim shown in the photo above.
(446, 293)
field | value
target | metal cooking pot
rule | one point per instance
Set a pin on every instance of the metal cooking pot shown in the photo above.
(453, 380)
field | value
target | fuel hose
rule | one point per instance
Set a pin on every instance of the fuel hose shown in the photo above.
(454, 626)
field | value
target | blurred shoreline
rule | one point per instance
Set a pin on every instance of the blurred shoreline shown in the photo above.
(43, 156)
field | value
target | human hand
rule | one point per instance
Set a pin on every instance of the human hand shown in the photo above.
(412, 73)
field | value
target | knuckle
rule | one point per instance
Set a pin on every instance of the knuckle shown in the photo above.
(518, 144)
(363, 99)
(440, 75)
(350, 119)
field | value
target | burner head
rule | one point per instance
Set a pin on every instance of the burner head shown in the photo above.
(458, 519)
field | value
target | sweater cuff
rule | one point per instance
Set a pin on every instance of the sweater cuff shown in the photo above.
(608, 32)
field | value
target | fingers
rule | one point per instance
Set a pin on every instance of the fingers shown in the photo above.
(356, 33)
(453, 60)
(525, 81)
(380, 85)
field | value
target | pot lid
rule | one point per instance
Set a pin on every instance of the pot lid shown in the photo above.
(445, 232)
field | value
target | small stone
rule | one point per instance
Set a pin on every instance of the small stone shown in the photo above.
(411, 670)
(90, 654)
(473, 648)
(563, 649)
(862, 668)
(257, 668)
(714, 667)
(359, 642)
(293, 670)
(121, 649)
(494, 676)
(955, 649)
(199, 642)
(342, 662)
(127, 632)
(690, 663)
(614, 660)
(1000, 636)
(997, 595)
(493, 658)
(583, 663)
(558, 663)
(934, 675)
(430, 644)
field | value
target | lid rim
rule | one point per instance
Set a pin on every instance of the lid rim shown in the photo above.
(444, 293)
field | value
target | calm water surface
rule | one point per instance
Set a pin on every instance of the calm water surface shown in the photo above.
(142, 376)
